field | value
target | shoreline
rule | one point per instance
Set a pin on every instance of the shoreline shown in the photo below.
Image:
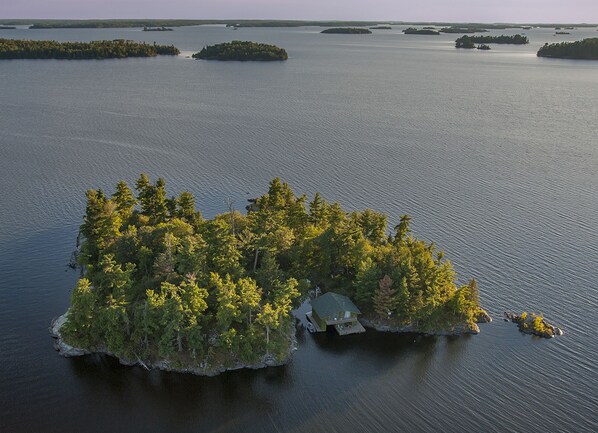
(69, 351)
(460, 329)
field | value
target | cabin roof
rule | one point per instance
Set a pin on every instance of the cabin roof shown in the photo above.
(331, 303)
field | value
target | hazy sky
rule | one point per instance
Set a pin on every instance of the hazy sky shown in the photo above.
(406, 10)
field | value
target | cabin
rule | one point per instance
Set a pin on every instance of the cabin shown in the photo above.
(336, 310)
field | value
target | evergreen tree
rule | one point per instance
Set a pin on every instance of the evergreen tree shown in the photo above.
(384, 299)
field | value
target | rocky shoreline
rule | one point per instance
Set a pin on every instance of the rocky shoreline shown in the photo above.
(456, 330)
(69, 351)
(526, 324)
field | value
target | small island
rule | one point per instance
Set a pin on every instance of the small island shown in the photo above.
(533, 324)
(483, 47)
(470, 41)
(242, 51)
(586, 49)
(381, 28)
(157, 29)
(7, 28)
(562, 33)
(347, 31)
(116, 49)
(462, 30)
(414, 31)
(162, 287)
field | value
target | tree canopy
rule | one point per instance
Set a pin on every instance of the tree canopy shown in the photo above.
(162, 282)
(586, 49)
(118, 48)
(243, 51)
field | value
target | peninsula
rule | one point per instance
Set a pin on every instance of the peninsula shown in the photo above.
(586, 49)
(347, 31)
(163, 287)
(242, 51)
(116, 49)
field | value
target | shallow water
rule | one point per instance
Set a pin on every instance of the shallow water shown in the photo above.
(494, 155)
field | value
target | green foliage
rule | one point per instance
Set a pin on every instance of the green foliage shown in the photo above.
(347, 31)
(414, 31)
(470, 41)
(586, 49)
(119, 48)
(242, 50)
(162, 283)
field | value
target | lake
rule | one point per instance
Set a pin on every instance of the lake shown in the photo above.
(494, 155)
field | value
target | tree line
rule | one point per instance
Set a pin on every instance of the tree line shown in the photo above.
(586, 49)
(242, 50)
(119, 48)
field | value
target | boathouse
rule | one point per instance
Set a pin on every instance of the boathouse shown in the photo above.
(336, 310)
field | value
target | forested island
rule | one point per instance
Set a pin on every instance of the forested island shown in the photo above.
(470, 41)
(381, 28)
(242, 51)
(166, 288)
(462, 30)
(414, 31)
(157, 29)
(116, 49)
(586, 49)
(347, 31)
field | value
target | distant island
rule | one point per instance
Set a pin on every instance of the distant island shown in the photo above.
(414, 31)
(347, 31)
(242, 51)
(164, 288)
(381, 28)
(483, 47)
(7, 28)
(116, 23)
(157, 29)
(586, 49)
(462, 30)
(116, 49)
(470, 41)
(562, 33)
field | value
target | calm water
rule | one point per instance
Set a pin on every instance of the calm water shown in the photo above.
(494, 154)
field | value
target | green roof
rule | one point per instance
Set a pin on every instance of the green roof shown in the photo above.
(330, 304)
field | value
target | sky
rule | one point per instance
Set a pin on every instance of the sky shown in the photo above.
(523, 11)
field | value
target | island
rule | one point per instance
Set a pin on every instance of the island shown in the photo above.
(462, 30)
(242, 51)
(157, 29)
(414, 31)
(381, 28)
(586, 49)
(562, 33)
(116, 49)
(347, 31)
(7, 28)
(470, 41)
(483, 47)
(533, 324)
(163, 287)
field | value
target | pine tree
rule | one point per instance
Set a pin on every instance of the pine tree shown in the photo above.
(384, 299)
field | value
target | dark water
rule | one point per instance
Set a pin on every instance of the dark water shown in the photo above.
(494, 154)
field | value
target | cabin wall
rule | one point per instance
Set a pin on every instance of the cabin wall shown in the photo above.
(321, 322)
